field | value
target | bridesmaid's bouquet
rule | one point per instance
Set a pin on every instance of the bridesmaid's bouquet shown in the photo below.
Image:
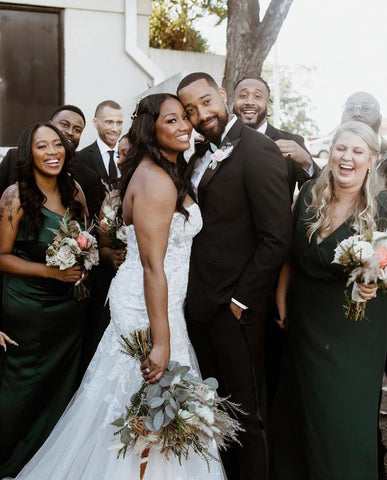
(364, 257)
(179, 412)
(111, 223)
(72, 246)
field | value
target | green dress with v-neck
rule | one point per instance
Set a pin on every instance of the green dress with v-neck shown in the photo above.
(337, 363)
(40, 376)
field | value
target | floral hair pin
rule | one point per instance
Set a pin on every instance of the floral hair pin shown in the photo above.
(220, 154)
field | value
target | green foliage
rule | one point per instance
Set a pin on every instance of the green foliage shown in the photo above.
(172, 25)
(296, 108)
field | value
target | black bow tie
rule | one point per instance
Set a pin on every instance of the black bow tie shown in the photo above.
(202, 147)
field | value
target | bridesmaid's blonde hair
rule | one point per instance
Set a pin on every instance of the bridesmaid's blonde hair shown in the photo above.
(323, 192)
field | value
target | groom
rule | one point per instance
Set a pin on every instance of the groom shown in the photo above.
(244, 198)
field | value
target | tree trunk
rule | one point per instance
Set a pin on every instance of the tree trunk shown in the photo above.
(249, 40)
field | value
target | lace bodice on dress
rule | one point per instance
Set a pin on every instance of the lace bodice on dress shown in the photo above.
(127, 290)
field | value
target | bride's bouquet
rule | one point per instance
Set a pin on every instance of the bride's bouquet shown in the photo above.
(72, 246)
(364, 257)
(178, 413)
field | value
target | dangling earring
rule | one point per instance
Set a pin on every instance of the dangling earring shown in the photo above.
(368, 171)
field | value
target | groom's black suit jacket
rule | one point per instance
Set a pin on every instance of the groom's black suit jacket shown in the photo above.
(246, 230)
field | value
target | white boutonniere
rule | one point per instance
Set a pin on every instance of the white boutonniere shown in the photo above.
(219, 155)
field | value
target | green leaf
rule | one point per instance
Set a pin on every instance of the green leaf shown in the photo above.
(158, 420)
(125, 435)
(170, 412)
(167, 420)
(155, 402)
(148, 424)
(172, 365)
(211, 382)
(166, 395)
(166, 380)
(154, 390)
(119, 422)
(173, 404)
(183, 370)
(181, 395)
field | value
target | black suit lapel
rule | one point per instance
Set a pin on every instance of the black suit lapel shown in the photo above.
(272, 132)
(98, 162)
(233, 138)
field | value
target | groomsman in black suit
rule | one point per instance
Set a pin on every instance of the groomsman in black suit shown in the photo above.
(102, 155)
(251, 104)
(242, 190)
(70, 120)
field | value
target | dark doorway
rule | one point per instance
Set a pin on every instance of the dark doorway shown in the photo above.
(31, 67)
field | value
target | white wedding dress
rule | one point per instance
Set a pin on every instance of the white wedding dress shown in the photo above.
(78, 447)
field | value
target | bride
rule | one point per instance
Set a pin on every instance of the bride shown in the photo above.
(149, 289)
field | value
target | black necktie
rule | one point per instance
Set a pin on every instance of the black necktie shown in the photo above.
(112, 166)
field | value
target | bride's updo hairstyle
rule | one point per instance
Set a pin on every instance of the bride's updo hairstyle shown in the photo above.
(143, 143)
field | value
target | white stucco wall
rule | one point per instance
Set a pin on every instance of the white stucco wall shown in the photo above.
(173, 61)
(96, 65)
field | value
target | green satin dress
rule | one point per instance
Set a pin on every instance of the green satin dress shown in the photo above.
(335, 364)
(40, 376)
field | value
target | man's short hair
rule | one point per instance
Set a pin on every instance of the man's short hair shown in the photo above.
(71, 108)
(107, 103)
(253, 77)
(193, 77)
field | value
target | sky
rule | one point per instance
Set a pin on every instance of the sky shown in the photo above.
(345, 41)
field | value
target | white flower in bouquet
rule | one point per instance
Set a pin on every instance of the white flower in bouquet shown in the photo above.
(362, 250)
(91, 259)
(121, 234)
(109, 212)
(66, 257)
(72, 244)
(343, 248)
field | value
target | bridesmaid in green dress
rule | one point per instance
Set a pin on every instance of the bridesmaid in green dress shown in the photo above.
(39, 311)
(335, 365)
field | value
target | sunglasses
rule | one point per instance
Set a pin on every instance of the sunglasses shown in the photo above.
(364, 107)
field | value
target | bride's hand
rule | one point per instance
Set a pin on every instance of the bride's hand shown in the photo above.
(154, 367)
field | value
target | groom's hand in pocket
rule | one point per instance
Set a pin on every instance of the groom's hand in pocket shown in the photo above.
(236, 310)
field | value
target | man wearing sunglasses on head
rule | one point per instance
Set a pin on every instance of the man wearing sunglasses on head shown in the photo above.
(364, 107)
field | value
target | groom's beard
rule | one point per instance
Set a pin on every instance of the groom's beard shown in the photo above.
(214, 133)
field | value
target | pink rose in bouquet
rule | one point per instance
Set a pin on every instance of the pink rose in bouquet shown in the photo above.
(84, 242)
